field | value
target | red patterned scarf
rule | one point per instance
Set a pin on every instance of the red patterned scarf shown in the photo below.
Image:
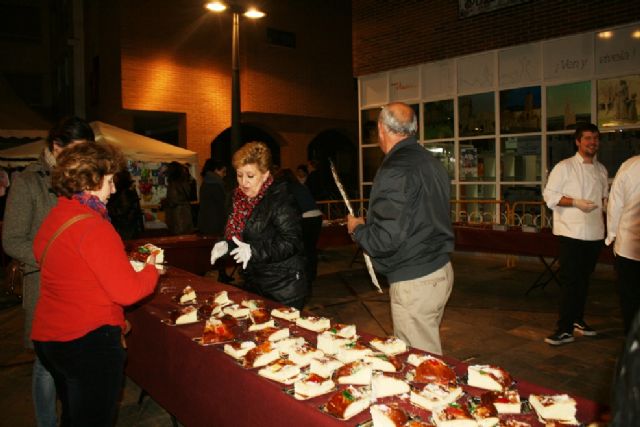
(93, 202)
(242, 208)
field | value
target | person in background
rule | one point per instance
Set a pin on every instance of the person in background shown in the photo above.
(302, 173)
(212, 215)
(124, 207)
(28, 203)
(86, 281)
(315, 183)
(623, 227)
(311, 222)
(177, 204)
(408, 232)
(576, 191)
(263, 232)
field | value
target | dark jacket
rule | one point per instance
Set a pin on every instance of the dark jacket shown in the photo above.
(212, 215)
(276, 269)
(408, 231)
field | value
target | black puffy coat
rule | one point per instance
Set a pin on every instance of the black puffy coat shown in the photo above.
(276, 269)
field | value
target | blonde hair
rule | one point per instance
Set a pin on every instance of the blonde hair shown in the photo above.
(253, 153)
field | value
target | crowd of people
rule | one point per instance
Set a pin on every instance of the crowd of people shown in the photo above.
(74, 207)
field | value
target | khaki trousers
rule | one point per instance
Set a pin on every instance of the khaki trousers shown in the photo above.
(417, 307)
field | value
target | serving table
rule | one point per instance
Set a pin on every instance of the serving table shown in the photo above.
(202, 386)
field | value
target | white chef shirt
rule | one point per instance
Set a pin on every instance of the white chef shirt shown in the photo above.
(576, 179)
(623, 210)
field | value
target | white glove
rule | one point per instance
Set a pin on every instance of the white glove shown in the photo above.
(242, 254)
(584, 205)
(219, 249)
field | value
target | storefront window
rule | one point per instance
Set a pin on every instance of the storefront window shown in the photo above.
(371, 160)
(520, 157)
(616, 147)
(438, 119)
(568, 105)
(445, 152)
(559, 147)
(370, 126)
(478, 160)
(526, 204)
(520, 110)
(477, 114)
(477, 204)
(618, 102)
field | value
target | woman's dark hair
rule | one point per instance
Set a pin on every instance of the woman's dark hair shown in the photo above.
(83, 166)
(287, 175)
(68, 130)
(122, 180)
(177, 172)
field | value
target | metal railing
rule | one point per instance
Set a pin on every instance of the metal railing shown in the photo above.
(469, 211)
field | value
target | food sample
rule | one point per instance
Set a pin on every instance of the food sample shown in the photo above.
(282, 370)
(353, 373)
(324, 366)
(454, 415)
(252, 304)
(434, 370)
(260, 326)
(287, 313)
(272, 334)
(221, 298)
(559, 407)
(485, 414)
(286, 345)
(352, 351)
(187, 295)
(261, 355)
(488, 377)
(506, 402)
(390, 346)
(311, 386)
(382, 362)
(342, 330)
(385, 385)
(142, 253)
(348, 402)
(238, 350)
(388, 416)
(216, 331)
(303, 355)
(236, 311)
(184, 315)
(259, 315)
(315, 324)
(330, 343)
(434, 396)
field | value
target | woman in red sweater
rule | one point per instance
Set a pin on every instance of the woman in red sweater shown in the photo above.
(86, 281)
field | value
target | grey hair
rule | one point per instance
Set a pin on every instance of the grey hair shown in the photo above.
(394, 125)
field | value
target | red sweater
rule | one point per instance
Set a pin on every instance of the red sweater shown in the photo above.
(86, 278)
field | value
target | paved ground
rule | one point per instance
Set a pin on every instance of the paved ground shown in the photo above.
(488, 319)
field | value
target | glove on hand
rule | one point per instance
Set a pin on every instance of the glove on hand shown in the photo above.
(219, 249)
(584, 205)
(242, 254)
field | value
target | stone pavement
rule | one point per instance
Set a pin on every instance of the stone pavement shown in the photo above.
(489, 319)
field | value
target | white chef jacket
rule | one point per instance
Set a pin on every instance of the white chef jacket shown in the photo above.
(576, 179)
(623, 211)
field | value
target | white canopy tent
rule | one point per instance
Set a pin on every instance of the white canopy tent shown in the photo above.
(134, 147)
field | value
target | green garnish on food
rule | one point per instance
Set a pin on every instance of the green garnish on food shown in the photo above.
(348, 395)
(382, 356)
(350, 345)
(144, 250)
(333, 330)
(454, 405)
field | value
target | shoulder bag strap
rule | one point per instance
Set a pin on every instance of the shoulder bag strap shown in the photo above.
(63, 227)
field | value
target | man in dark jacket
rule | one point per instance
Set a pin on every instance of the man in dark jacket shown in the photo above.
(408, 232)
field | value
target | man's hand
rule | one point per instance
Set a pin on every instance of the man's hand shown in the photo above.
(584, 205)
(353, 222)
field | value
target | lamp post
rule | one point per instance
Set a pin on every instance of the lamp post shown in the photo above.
(252, 13)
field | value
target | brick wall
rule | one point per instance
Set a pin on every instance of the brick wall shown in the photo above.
(391, 34)
(174, 56)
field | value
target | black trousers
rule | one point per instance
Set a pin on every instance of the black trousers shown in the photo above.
(629, 288)
(577, 261)
(89, 373)
(311, 228)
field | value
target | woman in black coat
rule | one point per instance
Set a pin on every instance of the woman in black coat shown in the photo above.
(263, 232)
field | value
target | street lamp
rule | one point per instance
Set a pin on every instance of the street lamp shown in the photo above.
(251, 13)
